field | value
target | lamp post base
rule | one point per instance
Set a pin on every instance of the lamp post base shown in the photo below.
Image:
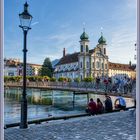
(23, 123)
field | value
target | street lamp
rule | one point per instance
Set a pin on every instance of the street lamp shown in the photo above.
(25, 22)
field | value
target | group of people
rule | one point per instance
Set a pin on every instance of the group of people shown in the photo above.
(98, 107)
(115, 84)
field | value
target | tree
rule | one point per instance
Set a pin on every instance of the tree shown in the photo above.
(47, 69)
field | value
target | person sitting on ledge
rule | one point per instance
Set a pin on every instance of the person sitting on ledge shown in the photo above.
(100, 107)
(108, 104)
(91, 109)
(120, 103)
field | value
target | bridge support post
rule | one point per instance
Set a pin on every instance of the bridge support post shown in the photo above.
(87, 98)
(73, 102)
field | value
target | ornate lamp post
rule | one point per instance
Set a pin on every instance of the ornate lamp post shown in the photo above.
(25, 22)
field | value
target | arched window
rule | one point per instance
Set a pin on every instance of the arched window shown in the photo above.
(104, 50)
(93, 65)
(102, 65)
(97, 64)
(81, 48)
(86, 48)
(81, 64)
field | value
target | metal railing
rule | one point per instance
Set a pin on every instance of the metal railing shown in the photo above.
(86, 86)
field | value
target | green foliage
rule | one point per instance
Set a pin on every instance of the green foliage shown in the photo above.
(34, 78)
(53, 79)
(62, 79)
(38, 78)
(77, 80)
(6, 78)
(47, 69)
(46, 78)
(31, 78)
(12, 78)
(69, 80)
(88, 79)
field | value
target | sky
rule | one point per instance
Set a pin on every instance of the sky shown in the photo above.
(58, 24)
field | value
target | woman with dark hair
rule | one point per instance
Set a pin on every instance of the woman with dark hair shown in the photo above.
(100, 107)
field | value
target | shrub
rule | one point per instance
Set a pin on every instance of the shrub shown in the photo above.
(46, 78)
(6, 78)
(31, 78)
(69, 80)
(12, 78)
(77, 80)
(53, 79)
(62, 79)
(17, 78)
(88, 79)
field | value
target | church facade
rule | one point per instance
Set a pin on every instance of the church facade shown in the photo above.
(87, 62)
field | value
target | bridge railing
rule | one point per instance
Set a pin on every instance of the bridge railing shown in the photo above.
(71, 85)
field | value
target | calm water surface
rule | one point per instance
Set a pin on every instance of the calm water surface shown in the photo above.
(42, 104)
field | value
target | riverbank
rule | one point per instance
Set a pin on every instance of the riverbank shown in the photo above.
(112, 126)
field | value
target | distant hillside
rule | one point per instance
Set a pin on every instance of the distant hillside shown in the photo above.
(54, 62)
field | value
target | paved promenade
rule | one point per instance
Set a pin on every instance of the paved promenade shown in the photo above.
(112, 126)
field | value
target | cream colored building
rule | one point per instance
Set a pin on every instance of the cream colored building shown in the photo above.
(122, 70)
(90, 62)
(85, 63)
(13, 67)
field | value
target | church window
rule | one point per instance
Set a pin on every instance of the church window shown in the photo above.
(105, 66)
(86, 48)
(104, 51)
(98, 64)
(81, 48)
(93, 64)
(81, 64)
(81, 77)
(102, 65)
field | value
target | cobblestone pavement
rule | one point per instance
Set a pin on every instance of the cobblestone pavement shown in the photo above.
(113, 126)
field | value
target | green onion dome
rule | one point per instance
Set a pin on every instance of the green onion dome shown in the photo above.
(102, 40)
(84, 36)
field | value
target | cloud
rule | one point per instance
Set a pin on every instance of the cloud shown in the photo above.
(34, 23)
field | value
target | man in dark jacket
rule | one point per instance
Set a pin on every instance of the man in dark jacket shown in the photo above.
(108, 104)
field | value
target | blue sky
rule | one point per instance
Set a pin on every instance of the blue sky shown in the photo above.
(58, 24)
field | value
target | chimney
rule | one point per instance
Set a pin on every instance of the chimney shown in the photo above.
(64, 52)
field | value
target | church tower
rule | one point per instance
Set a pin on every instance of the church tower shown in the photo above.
(84, 62)
(102, 44)
(84, 43)
(101, 57)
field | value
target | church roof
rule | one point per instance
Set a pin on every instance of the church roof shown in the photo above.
(71, 58)
(118, 66)
(84, 36)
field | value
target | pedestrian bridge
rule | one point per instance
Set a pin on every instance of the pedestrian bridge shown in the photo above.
(81, 88)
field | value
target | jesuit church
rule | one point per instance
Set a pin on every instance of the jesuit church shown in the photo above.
(90, 63)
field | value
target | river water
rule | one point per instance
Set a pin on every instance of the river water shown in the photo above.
(45, 103)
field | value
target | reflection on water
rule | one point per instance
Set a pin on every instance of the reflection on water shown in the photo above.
(42, 103)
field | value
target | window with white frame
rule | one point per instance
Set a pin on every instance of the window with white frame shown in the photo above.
(97, 64)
